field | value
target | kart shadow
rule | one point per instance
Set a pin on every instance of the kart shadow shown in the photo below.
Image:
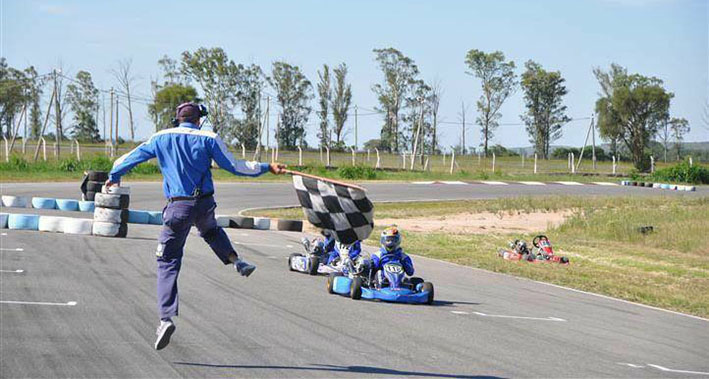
(343, 369)
(446, 303)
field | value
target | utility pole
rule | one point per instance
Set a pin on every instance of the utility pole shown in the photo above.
(355, 127)
(58, 115)
(593, 138)
(115, 148)
(462, 113)
(268, 121)
(109, 140)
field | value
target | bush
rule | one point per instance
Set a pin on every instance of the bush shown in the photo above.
(682, 172)
(356, 172)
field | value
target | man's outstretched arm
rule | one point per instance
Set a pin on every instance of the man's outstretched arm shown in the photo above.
(125, 163)
(225, 159)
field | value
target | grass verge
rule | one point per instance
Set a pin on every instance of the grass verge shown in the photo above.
(668, 268)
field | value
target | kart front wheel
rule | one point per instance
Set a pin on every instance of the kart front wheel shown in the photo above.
(290, 260)
(428, 286)
(314, 263)
(331, 282)
(356, 288)
(415, 281)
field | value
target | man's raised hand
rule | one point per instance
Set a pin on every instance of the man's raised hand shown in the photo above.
(277, 168)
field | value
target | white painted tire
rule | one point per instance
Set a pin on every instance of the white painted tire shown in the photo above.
(86, 206)
(116, 190)
(262, 223)
(3, 220)
(155, 218)
(44, 203)
(22, 221)
(107, 229)
(68, 205)
(138, 217)
(14, 201)
(222, 221)
(78, 226)
(105, 200)
(656, 185)
(51, 224)
(114, 216)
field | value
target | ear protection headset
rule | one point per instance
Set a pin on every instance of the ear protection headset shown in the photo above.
(202, 111)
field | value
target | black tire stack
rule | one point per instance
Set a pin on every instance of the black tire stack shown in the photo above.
(92, 184)
(111, 212)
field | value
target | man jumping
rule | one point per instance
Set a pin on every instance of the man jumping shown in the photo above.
(185, 155)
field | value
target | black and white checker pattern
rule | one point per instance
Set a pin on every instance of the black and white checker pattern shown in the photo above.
(344, 210)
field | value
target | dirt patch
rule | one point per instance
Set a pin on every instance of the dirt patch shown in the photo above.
(480, 223)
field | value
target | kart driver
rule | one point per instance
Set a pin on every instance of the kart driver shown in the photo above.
(342, 252)
(391, 251)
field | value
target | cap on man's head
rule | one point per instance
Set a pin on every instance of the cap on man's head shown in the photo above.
(188, 112)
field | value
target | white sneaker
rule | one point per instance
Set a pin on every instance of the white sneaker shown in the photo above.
(164, 332)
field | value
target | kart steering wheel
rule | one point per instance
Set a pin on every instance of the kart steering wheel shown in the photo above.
(538, 238)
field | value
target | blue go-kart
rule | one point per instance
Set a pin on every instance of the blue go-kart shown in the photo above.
(313, 260)
(391, 285)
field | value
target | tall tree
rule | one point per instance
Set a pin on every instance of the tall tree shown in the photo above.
(125, 79)
(325, 96)
(165, 101)
(14, 94)
(665, 136)
(636, 108)
(82, 96)
(608, 80)
(250, 86)
(218, 77)
(545, 115)
(340, 103)
(435, 103)
(294, 92)
(679, 127)
(498, 82)
(35, 94)
(400, 72)
(416, 103)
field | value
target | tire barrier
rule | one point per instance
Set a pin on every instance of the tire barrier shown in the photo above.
(97, 176)
(14, 201)
(290, 225)
(67, 205)
(262, 223)
(51, 224)
(89, 196)
(107, 229)
(77, 226)
(23, 221)
(3, 220)
(94, 186)
(116, 190)
(673, 187)
(155, 218)
(222, 221)
(241, 222)
(44, 203)
(138, 217)
(106, 200)
(115, 216)
(86, 206)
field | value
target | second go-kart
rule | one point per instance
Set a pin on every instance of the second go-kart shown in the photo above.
(313, 261)
(390, 285)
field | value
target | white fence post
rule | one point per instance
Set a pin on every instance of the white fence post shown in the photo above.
(535, 163)
(24, 145)
(321, 154)
(691, 163)
(479, 159)
(78, 150)
(378, 161)
(277, 153)
(367, 155)
(452, 161)
(425, 165)
(328, 156)
(652, 164)
(56, 153)
(353, 156)
(44, 149)
(522, 160)
(614, 165)
(493, 163)
(7, 149)
(243, 151)
(273, 155)
(403, 160)
(573, 167)
(300, 156)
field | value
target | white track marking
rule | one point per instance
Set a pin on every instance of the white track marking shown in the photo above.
(665, 369)
(570, 183)
(605, 183)
(69, 303)
(261, 244)
(630, 365)
(493, 183)
(460, 313)
(522, 317)
(15, 249)
(533, 183)
(244, 234)
(3, 234)
(13, 271)
(456, 182)
(422, 182)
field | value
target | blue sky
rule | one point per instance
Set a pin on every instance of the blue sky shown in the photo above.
(663, 38)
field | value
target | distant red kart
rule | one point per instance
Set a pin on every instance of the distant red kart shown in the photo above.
(542, 252)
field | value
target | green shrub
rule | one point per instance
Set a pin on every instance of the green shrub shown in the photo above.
(682, 172)
(356, 172)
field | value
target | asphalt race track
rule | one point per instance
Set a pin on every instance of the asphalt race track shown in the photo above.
(84, 306)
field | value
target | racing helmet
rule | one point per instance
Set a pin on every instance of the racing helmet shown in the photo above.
(390, 238)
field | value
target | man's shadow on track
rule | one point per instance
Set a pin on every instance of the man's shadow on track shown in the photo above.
(343, 369)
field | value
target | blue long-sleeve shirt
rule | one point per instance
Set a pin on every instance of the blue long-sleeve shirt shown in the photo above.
(398, 255)
(185, 155)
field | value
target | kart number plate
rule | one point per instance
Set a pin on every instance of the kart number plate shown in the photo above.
(394, 269)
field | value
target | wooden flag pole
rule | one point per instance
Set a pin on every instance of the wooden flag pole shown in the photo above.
(293, 172)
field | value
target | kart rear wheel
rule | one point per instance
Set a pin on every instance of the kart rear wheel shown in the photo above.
(428, 286)
(290, 260)
(314, 263)
(415, 281)
(356, 288)
(331, 282)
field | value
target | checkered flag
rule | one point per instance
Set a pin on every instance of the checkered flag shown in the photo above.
(345, 210)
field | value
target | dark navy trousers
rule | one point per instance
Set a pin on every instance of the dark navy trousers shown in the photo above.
(178, 218)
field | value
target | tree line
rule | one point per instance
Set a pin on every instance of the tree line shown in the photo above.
(633, 110)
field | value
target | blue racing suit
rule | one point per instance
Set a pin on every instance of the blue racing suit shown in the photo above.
(354, 252)
(398, 255)
(185, 155)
